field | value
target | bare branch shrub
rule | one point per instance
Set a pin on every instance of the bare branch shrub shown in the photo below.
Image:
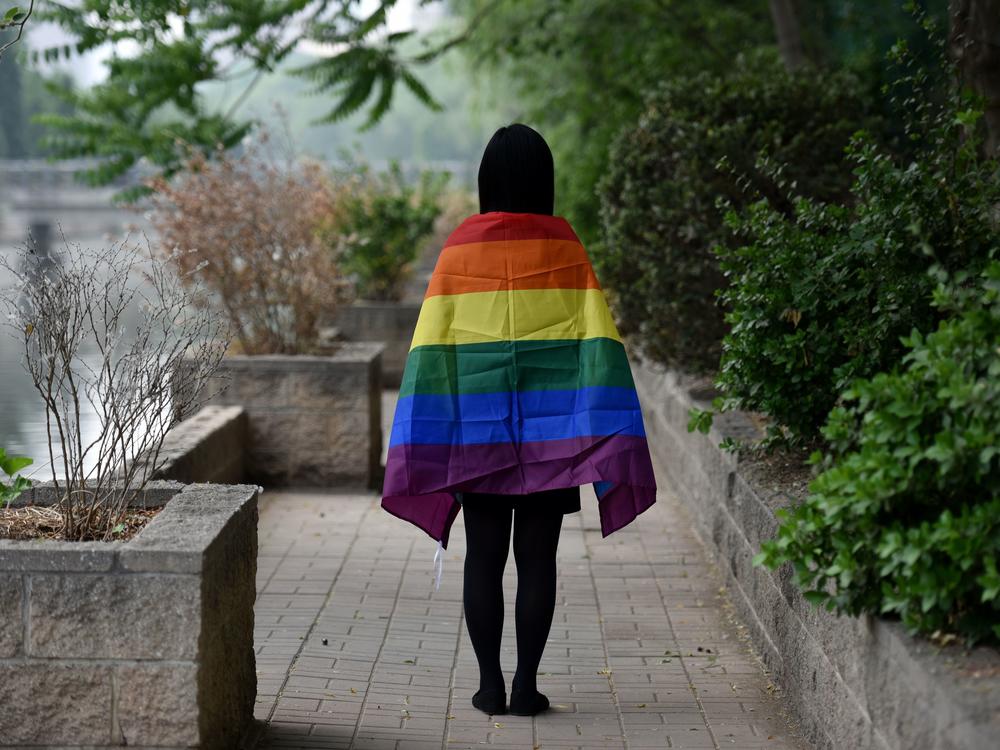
(247, 226)
(106, 332)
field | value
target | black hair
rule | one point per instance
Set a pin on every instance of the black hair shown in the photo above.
(516, 173)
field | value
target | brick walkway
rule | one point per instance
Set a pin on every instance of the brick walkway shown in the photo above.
(355, 648)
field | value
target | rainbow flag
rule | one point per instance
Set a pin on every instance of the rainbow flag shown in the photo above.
(516, 380)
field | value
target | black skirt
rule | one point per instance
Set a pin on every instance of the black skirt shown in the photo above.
(563, 500)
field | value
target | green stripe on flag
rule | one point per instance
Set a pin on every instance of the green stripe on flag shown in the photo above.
(528, 365)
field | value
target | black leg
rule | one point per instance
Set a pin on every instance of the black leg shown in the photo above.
(536, 538)
(487, 533)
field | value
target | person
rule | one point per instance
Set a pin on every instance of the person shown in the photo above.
(516, 175)
(516, 391)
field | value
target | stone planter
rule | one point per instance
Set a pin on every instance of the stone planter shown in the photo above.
(142, 643)
(389, 322)
(313, 420)
(854, 682)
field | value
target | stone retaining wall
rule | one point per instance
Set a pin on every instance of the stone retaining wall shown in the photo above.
(858, 683)
(142, 643)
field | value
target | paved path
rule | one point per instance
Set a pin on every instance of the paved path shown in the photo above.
(355, 648)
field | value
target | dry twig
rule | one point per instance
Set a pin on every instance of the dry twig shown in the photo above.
(115, 335)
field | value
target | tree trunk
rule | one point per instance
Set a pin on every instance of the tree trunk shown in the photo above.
(786, 28)
(974, 44)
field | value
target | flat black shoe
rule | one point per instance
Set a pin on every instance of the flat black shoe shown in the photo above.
(491, 701)
(527, 703)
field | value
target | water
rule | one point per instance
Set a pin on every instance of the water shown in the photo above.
(23, 428)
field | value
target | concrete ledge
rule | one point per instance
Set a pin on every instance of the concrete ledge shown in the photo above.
(392, 323)
(859, 683)
(155, 494)
(209, 446)
(312, 421)
(146, 643)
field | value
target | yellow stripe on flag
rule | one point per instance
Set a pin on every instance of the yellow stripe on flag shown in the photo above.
(527, 314)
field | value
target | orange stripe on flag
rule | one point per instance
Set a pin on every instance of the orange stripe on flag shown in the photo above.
(514, 264)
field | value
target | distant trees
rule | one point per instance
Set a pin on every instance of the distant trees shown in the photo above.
(11, 107)
(24, 93)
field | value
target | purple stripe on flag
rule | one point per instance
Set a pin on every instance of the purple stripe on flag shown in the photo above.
(511, 469)
(421, 479)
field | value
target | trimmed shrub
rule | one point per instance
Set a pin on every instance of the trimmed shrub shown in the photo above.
(660, 196)
(905, 518)
(823, 296)
(380, 226)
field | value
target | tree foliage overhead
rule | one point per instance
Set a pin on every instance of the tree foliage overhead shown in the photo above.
(576, 68)
(579, 70)
(150, 100)
(589, 61)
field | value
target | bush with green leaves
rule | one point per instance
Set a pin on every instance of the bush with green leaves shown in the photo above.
(380, 222)
(822, 296)
(16, 484)
(905, 517)
(660, 195)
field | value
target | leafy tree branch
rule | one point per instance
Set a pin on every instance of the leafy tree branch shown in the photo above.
(15, 18)
(150, 102)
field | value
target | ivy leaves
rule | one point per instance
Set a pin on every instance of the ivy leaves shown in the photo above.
(905, 518)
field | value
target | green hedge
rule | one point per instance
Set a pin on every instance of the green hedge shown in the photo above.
(823, 296)
(905, 519)
(660, 211)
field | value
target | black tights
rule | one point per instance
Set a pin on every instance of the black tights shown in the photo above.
(536, 537)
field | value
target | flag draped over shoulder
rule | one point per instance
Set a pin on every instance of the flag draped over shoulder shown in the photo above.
(516, 380)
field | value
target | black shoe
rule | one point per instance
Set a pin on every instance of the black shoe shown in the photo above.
(491, 701)
(527, 702)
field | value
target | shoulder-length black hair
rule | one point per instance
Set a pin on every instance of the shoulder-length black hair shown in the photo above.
(516, 173)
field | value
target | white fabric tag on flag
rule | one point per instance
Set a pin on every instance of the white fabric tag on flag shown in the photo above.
(439, 563)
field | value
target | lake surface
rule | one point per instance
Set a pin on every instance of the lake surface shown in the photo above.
(22, 412)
